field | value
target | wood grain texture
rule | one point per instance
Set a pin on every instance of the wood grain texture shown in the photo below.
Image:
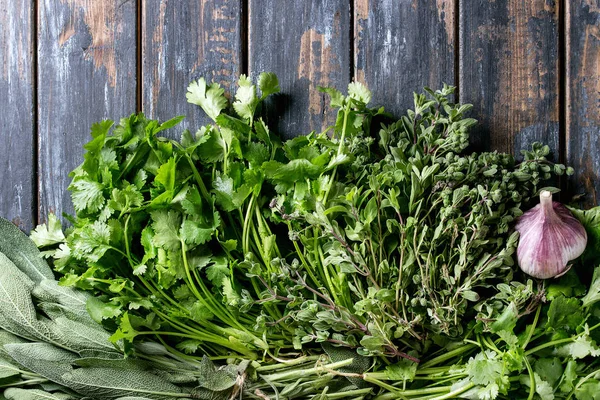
(87, 72)
(17, 116)
(306, 43)
(402, 46)
(509, 63)
(183, 41)
(582, 23)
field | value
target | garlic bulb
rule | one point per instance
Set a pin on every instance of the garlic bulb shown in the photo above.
(550, 237)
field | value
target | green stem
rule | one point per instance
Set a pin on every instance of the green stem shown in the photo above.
(446, 356)
(339, 152)
(286, 364)
(581, 382)
(287, 375)
(455, 393)
(533, 326)
(246, 227)
(549, 344)
(347, 393)
(531, 379)
(392, 389)
(198, 178)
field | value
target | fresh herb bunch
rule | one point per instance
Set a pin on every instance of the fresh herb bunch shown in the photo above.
(404, 235)
(50, 348)
(343, 258)
(545, 350)
(390, 235)
(162, 227)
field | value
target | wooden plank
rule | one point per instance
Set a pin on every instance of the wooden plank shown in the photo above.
(403, 46)
(582, 23)
(509, 63)
(306, 43)
(183, 41)
(17, 116)
(87, 72)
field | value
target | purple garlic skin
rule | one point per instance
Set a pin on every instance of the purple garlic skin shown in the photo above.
(550, 237)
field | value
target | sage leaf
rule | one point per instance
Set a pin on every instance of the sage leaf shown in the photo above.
(50, 290)
(34, 394)
(23, 252)
(17, 313)
(44, 359)
(54, 311)
(8, 373)
(111, 383)
(77, 336)
(133, 398)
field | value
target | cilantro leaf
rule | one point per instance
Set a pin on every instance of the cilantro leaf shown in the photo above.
(210, 98)
(218, 270)
(124, 199)
(48, 234)
(245, 98)
(195, 233)
(268, 84)
(549, 369)
(590, 219)
(581, 347)
(87, 195)
(337, 98)
(189, 346)
(166, 225)
(507, 320)
(100, 310)
(99, 131)
(589, 390)
(569, 377)
(565, 313)
(91, 241)
(593, 294)
(484, 368)
(166, 174)
(358, 91)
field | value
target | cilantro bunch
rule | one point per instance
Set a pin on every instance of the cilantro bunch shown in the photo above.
(163, 227)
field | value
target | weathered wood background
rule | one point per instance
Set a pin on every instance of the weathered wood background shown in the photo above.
(531, 69)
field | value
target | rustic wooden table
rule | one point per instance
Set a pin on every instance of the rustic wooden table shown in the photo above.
(531, 69)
